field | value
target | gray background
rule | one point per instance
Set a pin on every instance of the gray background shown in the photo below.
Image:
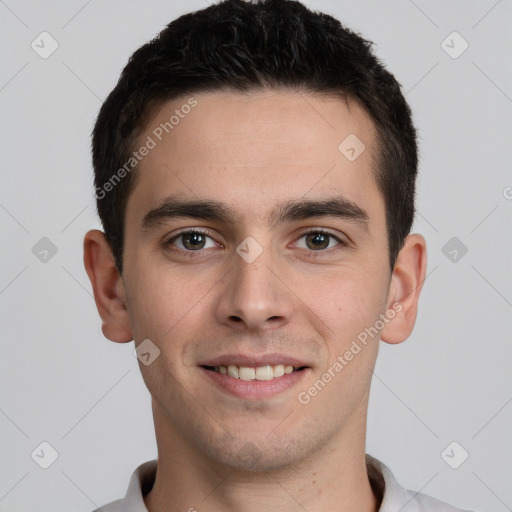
(63, 383)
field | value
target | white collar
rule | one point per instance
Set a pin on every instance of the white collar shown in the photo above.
(395, 497)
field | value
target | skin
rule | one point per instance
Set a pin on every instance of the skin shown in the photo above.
(253, 152)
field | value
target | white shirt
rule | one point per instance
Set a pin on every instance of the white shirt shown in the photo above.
(395, 498)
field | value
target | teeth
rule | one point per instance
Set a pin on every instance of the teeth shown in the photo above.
(268, 372)
(232, 371)
(278, 370)
(264, 373)
(245, 373)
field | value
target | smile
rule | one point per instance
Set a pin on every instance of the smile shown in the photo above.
(257, 377)
(267, 372)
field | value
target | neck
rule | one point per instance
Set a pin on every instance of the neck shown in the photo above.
(334, 478)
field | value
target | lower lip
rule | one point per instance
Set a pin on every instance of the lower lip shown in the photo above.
(255, 388)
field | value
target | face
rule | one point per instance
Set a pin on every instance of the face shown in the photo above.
(253, 242)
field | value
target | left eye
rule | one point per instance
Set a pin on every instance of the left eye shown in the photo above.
(193, 241)
(318, 240)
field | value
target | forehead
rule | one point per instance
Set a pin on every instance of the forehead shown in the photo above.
(253, 150)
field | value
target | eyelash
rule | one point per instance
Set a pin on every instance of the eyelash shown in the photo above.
(313, 253)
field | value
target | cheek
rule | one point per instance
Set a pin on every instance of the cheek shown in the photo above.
(164, 305)
(154, 306)
(162, 311)
(348, 309)
(345, 303)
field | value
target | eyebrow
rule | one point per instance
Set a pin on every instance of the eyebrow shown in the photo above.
(199, 209)
(339, 207)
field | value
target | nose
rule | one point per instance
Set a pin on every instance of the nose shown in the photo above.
(253, 296)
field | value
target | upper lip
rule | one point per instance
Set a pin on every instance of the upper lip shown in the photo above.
(254, 361)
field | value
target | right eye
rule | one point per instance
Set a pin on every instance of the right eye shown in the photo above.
(192, 241)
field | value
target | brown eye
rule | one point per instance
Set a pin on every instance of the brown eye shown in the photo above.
(192, 241)
(318, 241)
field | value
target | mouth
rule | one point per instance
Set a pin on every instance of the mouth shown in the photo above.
(248, 373)
(254, 377)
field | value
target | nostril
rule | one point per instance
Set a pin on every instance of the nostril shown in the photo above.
(235, 318)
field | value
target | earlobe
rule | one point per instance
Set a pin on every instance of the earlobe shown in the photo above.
(406, 284)
(108, 288)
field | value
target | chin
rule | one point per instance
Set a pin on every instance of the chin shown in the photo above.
(257, 455)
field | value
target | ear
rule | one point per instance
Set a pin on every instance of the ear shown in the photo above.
(404, 291)
(108, 287)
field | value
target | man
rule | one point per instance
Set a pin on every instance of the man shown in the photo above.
(255, 173)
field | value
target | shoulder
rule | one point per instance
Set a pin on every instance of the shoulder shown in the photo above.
(395, 497)
(424, 503)
(141, 482)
